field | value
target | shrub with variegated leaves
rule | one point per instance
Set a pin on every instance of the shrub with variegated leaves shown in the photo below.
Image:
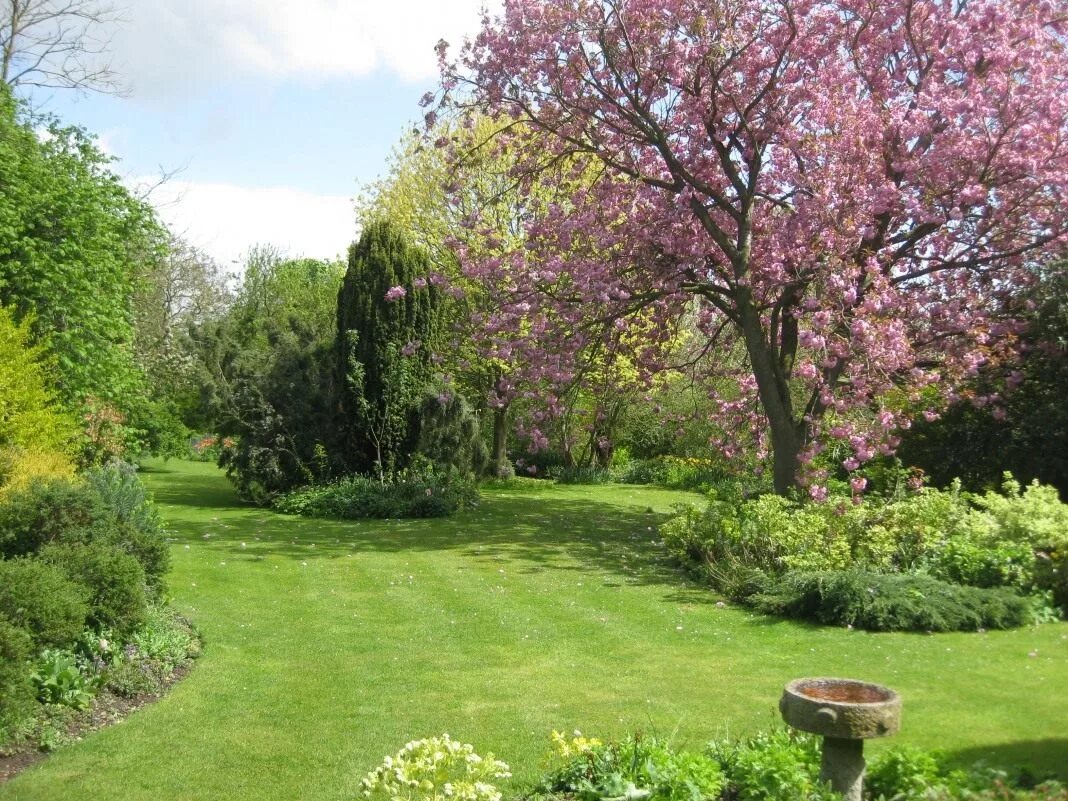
(436, 769)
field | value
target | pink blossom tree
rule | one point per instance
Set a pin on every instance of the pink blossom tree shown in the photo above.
(849, 188)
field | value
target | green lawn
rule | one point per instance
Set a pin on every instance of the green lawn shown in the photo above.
(330, 644)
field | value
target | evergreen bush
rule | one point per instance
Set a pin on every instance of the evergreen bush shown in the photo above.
(134, 523)
(40, 599)
(109, 506)
(45, 512)
(891, 602)
(387, 318)
(16, 692)
(115, 582)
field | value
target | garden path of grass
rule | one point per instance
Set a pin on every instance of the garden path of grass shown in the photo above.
(330, 644)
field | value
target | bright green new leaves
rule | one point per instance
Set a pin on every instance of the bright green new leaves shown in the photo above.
(35, 433)
(29, 415)
(72, 244)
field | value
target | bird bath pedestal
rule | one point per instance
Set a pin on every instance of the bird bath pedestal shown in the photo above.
(845, 713)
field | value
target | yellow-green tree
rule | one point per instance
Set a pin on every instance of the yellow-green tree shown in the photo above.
(36, 433)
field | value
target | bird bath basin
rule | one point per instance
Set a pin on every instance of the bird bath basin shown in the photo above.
(845, 712)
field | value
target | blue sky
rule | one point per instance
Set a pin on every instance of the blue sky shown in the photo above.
(268, 113)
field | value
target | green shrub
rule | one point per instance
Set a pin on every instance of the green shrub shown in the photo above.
(135, 524)
(998, 564)
(33, 418)
(892, 602)
(638, 767)
(1034, 517)
(167, 638)
(40, 599)
(162, 644)
(770, 534)
(110, 506)
(775, 534)
(115, 582)
(640, 471)
(909, 773)
(1017, 539)
(516, 484)
(1051, 573)
(675, 472)
(448, 433)
(20, 467)
(131, 677)
(780, 765)
(424, 493)
(49, 511)
(16, 692)
(773, 766)
(590, 474)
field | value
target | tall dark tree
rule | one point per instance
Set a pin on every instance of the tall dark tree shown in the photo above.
(387, 321)
(1025, 430)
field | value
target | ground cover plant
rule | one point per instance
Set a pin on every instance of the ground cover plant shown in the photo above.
(329, 644)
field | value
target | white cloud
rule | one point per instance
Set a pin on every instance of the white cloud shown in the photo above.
(224, 220)
(169, 45)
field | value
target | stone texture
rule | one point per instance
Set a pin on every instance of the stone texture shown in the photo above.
(841, 708)
(843, 767)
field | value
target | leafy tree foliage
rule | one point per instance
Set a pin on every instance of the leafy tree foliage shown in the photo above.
(181, 289)
(29, 414)
(452, 189)
(387, 324)
(429, 195)
(73, 242)
(267, 369)
(849, 190)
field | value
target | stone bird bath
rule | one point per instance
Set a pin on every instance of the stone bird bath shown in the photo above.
(845, 712)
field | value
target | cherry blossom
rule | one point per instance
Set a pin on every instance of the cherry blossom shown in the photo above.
(852, 191)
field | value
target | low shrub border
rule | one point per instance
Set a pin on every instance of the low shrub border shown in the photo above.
(892, 602)
(932, 560)
(779, 765)
(409, 494)
(99, 682)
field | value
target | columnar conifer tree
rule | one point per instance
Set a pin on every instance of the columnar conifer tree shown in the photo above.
(386, 327)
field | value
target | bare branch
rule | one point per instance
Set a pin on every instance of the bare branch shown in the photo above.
(58, 44)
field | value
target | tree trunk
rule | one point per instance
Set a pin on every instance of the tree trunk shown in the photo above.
(499, 455)
(603, 453)
(774, 393)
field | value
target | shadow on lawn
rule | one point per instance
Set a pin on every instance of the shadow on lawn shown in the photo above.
(533, 533)
(1039, 757)
(208, 490)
